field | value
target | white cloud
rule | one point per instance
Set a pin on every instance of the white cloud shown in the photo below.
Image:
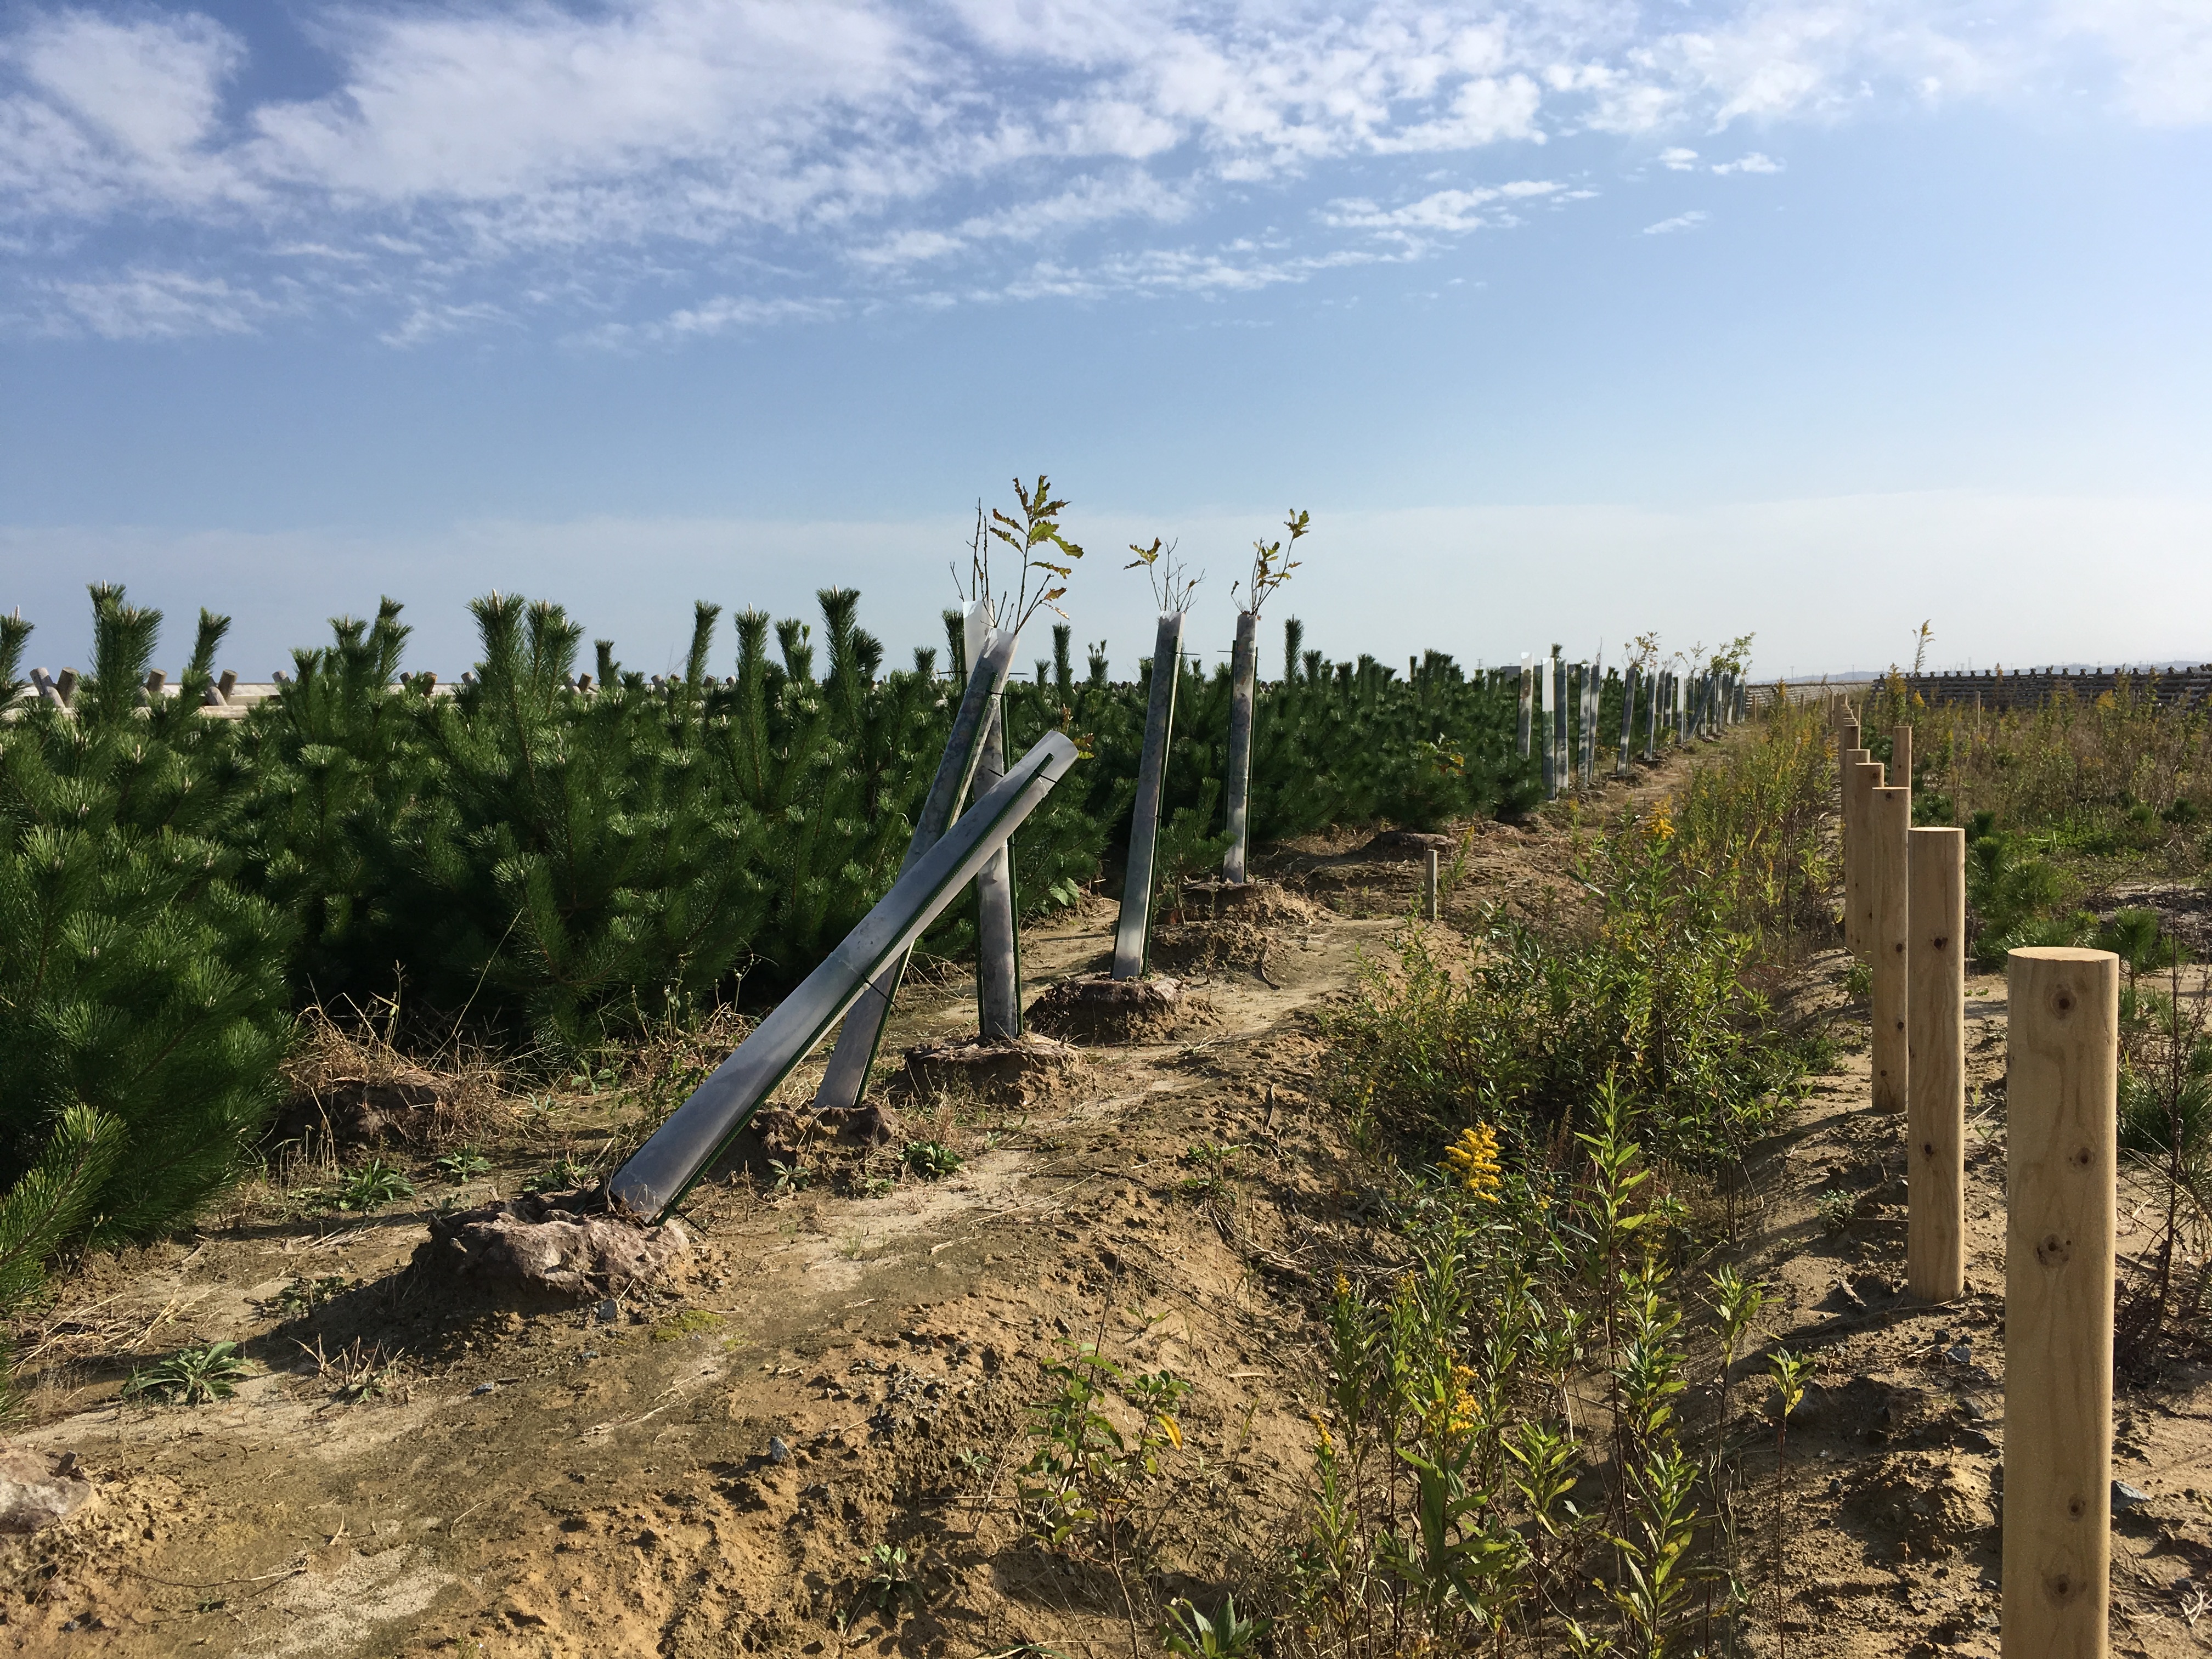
(1449, 210)
(1689, 220)
(117, 112)
(156, 305)
(469, 164)
(2161, 51)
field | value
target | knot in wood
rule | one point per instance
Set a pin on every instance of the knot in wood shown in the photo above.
(2054, 1251)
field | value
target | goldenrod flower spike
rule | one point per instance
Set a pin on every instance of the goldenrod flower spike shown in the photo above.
(1474, 1158)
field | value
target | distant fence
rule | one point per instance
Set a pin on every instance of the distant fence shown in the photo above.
(2000, 689)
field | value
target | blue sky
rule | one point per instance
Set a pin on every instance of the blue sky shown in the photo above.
(1566, 322)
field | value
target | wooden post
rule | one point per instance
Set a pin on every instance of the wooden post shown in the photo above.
(1935, 1025)
(1854, 850)
(1900, 755)
(1889, 821)
(2061, 1095)
(1429, 887)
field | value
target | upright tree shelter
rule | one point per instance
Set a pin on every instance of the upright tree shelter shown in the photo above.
(1271, 567)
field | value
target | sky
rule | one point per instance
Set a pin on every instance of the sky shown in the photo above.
(1565, 322)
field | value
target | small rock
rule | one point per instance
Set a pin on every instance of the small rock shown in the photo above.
(485, 1388)
(2125, 1496)
(591, 1353)
(778, 1452)
(1959, 1353)
(36, 1489)
(608, 1311)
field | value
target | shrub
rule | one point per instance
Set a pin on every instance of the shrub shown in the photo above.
(143, 1010)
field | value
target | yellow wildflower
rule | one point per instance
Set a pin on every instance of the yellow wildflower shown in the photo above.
(1661, 826)
(1474, 1158)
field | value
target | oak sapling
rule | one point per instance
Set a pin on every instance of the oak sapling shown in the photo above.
(1271, 567)
(1045, 558)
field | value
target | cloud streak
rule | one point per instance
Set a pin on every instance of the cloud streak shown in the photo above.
(460, 167)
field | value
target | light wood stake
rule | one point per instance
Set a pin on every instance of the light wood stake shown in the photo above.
(2061, 1094)
(1935, 1119)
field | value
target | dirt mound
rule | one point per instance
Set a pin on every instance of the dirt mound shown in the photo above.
(551, 1244)
(1933, 1502)
(1414, 844)
(1255, 901)
(1018, 1070)
(1207, 947)
(1094, 1009)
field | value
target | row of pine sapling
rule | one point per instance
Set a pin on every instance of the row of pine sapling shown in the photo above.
(1905, 915)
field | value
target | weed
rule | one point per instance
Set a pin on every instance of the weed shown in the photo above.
(692, 1321)
(893, 1583)
(563, 1175)
(1210, 1165)
(464, 1165)
(301, 1297)
(190, 1377)
(357, 1373)
(1790, 1371)
(1086, 1487)
(374, 1183)
(1837, 1210)
(932, 1160)
(1227, 1635)
(792, 1177)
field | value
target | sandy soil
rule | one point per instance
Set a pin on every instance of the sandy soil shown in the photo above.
(708, 1469)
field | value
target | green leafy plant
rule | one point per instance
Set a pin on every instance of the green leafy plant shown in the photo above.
(375, 1183)
(932, 1160)
(1085, 1484)
(1209, 1165)
(893, 1583)
(562, 1174)
(462, 1166)
(192, 1377)
(1224, 1635)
